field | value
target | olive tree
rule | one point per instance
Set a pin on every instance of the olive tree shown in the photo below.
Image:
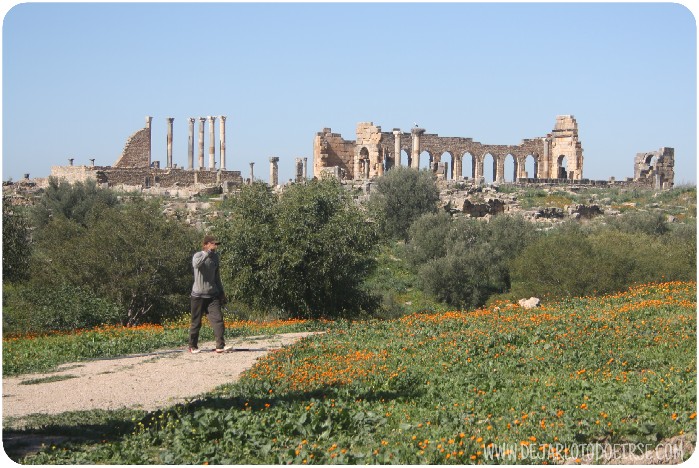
(132, 256)
(400, 197)
(305, 252)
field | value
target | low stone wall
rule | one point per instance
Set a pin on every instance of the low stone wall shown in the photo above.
(145, 177)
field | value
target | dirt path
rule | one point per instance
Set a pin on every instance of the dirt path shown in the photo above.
(146, 381)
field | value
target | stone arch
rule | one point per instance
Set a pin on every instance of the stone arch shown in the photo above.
(468, 165)
(530, 167)
(510, 167)
(489, 165)
(561, 167)
(404, 158)
(425, 158)
(447, 158)
(651, 160)
(364, 162)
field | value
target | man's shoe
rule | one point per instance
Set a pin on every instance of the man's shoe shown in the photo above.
(194, 350)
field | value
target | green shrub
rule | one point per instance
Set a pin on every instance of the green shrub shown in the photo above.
(569, 262)
(640, 222)
(75, 202)
(400, 197)
(35, 308)
(306, 252)
(464, 261)
(16, 245)
(131, 255)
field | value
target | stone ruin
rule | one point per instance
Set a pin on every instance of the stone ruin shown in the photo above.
(656, 168)
(557, 156)
(135, 169)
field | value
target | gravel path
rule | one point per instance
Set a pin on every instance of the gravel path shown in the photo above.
(146, 381)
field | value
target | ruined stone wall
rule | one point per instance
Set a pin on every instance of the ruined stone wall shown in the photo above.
(564, 144)
(147, 177)
(137, 150)
(144, 176)
(74, 174)
(656, 168)
(375, 151)
(331, 150)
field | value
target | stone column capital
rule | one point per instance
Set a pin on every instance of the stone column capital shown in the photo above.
(274, 159)
(222, 118)
(396, 131)
(170, 119)
(202, 119)
(417, 131)
(211, 118)
(192, 120)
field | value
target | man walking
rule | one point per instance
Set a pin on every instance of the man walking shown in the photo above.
(207, 294)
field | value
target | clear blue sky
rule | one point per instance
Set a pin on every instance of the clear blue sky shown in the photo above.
(78, 79)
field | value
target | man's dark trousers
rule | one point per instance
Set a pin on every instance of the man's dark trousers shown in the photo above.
(212, 307)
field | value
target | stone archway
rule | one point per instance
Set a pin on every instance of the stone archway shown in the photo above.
(364, 165)
(530, 167)
(489, 168)
(509, 167)
(468, 165)
(562, 167)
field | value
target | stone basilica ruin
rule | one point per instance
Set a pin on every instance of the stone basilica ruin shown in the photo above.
(556, 158)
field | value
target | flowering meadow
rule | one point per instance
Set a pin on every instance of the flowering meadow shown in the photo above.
(495, 385)
(42, 352)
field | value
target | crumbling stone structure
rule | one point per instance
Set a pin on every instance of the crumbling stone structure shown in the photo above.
(137, 151)
(656, 168)
(556, 156)
(134, 167)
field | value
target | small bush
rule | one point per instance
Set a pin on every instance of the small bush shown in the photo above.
(400, 197)
(463, 262)
(37, 308)
(570, 262)
(16, 245)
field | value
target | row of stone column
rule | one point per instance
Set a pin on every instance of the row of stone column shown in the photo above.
(301, 170)
(190, 143)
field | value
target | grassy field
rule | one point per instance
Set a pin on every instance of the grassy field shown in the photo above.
(41, 353)
(501, 384)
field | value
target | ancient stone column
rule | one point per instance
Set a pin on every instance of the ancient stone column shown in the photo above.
(70, 161)
(212, 144)
(305, 168)
(273, 171)
(222, 141)
(299, 170)
(170, 120)
(499, 168)
(92, 163)
(202, 120)
(396, 147)
(457, 168)
(190, 145)
(545, 169)
(478, 170)
(252, 173)
(415, 153)
(150, 140)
